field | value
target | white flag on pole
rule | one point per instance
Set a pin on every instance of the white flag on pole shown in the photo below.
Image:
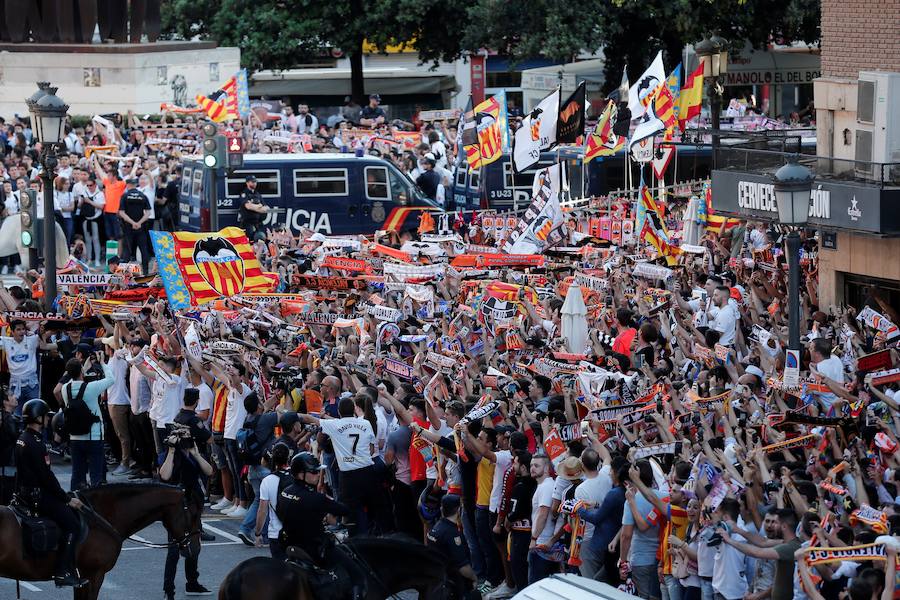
(537, 133)
(641, 94)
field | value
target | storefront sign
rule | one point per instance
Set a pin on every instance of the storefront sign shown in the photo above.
(836, 205)
(776, 77)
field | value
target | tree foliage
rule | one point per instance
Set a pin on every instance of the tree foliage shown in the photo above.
(279, 34)
(632, 31)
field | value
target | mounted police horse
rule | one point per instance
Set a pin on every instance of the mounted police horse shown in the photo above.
(393, 565)
(114, 512)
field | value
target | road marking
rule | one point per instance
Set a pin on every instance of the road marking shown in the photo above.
(30, 587)
(204, 545)
(224, 534)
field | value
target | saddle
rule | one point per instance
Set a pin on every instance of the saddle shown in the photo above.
(334, 584)
(40, 535)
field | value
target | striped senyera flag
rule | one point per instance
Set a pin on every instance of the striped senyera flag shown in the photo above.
(219, 264)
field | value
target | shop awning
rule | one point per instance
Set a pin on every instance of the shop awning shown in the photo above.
(336, 82)
(537, 83)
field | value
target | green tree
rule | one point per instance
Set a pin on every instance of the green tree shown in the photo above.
(276, 34)
(632, 31)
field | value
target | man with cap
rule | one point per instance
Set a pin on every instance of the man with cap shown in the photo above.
(429, 180)
(134, 211)
(372, 115)
(446, 536)
(302, 510)
(38, 488)
(251, 209)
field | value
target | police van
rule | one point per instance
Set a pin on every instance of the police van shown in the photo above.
(333, 194)
(503, 189)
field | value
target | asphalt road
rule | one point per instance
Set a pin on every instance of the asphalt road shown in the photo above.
(139, 572)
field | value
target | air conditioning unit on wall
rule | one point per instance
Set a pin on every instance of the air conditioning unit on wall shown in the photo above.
(877, 121)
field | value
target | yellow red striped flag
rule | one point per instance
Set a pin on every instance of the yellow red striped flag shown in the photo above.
(214, 110)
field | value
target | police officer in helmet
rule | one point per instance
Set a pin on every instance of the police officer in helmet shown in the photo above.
(38, 489)
(302, 511)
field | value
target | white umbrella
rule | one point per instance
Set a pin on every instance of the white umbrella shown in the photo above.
(691, 234)
(574, 320)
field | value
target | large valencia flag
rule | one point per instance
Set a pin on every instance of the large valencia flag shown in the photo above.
(197, 268)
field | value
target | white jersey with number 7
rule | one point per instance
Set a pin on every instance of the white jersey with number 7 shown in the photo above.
(352, 438)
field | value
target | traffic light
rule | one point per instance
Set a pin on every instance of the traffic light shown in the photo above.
(27, 210)
(213, 147)
(235, 152)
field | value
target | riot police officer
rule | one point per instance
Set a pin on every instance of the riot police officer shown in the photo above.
(10, 428)
(446, 536)
(38, 489)
(302, 511)
(251, 209)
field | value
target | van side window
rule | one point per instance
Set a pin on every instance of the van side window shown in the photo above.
(320, 182)
(400, 187)
(186, 181)
(377, 183)
(474, 179)
(197, 183)
(268, 183)
(460, 177)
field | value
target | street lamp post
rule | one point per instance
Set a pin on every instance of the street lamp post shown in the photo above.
(48, 121)
(793, 184)
(713, 55)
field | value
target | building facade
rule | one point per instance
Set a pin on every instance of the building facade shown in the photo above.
(855, 202)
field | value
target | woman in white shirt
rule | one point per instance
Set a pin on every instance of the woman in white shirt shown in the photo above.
(63, 205)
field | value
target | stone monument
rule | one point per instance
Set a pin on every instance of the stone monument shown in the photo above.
(104, 55)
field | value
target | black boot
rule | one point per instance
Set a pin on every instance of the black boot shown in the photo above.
(65, 564)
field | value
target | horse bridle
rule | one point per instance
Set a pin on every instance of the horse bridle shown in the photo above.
(181, 542)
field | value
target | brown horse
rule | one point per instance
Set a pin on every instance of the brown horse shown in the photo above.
(114, 513)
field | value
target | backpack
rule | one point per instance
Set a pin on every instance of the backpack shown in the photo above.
(250, 448)
(285, 479)
(78, 417)
(87, 209)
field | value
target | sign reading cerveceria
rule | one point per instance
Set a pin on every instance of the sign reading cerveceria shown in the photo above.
(835, 205)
